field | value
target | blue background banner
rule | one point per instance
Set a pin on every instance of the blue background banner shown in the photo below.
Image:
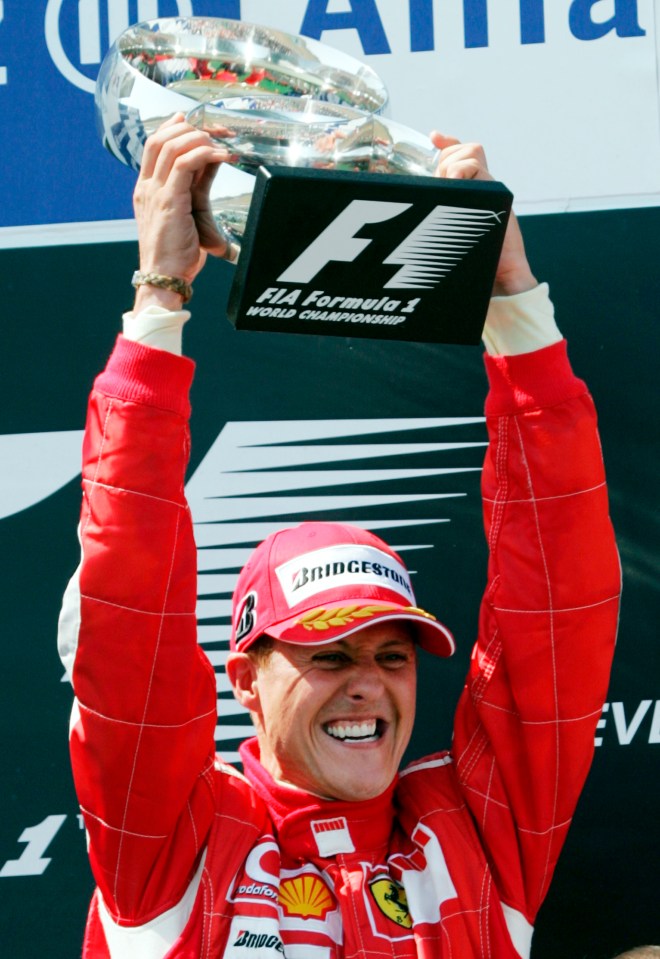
(52, 167)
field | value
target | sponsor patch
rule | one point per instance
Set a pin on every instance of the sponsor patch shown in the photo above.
(342, 567)
(248, 616)
(257, 881)
(258, 940)
(256, 889)
(390, 897)
(332, 836)
(306, 896)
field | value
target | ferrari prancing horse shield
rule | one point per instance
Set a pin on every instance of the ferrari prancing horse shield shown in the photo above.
(391, 899)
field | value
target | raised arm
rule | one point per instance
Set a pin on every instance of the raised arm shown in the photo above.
(524, 729)
(142, 733)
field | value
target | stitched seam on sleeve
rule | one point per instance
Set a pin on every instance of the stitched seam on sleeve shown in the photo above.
(555, 797)
(144, 713)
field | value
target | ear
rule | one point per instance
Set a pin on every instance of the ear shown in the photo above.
(242, 674)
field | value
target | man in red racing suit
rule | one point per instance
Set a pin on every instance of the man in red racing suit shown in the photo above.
(453, 856)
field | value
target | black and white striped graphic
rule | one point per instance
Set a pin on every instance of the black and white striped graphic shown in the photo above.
(441, 240)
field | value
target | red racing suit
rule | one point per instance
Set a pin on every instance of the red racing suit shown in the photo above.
(193, 859)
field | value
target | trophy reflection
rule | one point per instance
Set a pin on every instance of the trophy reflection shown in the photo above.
(271, 98)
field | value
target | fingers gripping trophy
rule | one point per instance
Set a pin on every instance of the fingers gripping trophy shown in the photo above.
(308, 154)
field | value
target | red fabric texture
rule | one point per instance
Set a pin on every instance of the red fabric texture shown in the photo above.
(463, 832)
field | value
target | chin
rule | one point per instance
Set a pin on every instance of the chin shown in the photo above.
(356, 778)
(359, 791)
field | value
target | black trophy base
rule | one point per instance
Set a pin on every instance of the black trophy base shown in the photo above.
(382, 256)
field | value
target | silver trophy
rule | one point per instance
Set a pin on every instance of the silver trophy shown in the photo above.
(271, 98)
(342, 227)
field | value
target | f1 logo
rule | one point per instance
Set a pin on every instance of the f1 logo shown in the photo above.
(338, 240)
(427, 254)
(337, 253)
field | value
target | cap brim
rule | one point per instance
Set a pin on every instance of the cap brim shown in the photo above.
(321, 625)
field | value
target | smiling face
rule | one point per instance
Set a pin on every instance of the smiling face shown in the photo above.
(333, 719)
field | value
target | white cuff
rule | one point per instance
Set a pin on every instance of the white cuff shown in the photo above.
(157, 327)
(520, 323)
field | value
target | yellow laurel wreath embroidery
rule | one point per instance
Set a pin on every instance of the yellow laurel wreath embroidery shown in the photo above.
(340, 616)
(420, 612)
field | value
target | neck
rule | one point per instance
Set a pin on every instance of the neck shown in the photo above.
(305, 823)
(299, 789)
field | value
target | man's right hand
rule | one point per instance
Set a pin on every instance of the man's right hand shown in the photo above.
(176, 229)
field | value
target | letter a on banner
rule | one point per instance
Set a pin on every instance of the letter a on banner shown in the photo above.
(625, 20)
(363, 17)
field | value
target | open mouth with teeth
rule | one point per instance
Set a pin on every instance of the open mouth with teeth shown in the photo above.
(368, 731)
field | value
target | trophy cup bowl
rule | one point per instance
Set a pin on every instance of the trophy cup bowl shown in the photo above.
(160, 67)
(272, 98)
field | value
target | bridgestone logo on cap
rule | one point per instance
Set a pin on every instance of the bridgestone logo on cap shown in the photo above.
(342, 567)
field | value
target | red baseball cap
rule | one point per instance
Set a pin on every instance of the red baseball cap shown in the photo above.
(319, 582)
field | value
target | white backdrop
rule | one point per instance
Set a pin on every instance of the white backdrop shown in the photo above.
(569, 124)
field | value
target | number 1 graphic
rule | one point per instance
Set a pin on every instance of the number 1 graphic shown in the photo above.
(38, 838)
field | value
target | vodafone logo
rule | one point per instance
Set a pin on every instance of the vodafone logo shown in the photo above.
(78, 32)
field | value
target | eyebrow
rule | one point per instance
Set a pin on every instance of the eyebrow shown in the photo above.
(347, 644)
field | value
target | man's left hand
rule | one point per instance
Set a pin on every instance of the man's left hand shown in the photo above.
(467, 161)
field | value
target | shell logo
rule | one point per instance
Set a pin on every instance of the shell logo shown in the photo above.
(306, 896)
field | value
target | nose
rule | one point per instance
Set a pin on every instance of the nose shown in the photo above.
(365, 682)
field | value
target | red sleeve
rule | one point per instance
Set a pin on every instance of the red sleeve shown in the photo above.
(524, 729)
(142, 740)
